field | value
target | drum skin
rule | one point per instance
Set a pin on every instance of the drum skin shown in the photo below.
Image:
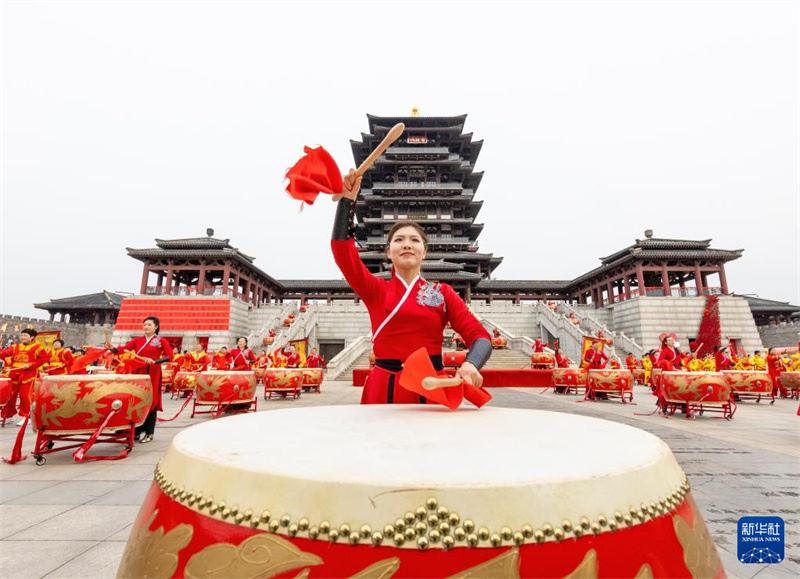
(454, 359)
(748, 381)
(283, 378)
(543, 359)
(710, 387)
(610, 380)
(186, 381)
(569, 377)
(78, 404)
(223, 386)
(221, 506)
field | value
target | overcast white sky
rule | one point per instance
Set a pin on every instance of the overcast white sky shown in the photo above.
(126, 121)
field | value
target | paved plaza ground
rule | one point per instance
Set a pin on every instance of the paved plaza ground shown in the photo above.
(64, 520)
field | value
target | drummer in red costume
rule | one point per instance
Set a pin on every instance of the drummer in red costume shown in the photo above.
(221, 360)
(196, 360)
(293, 359)
(595, 358)
(26, 359)
(60, 359)
(561, 360)
(406, 312)
(242, 356)
(147, 349)
(315, 360)
(668, 357)
(775, 369)
(631, 362)
(722, 359)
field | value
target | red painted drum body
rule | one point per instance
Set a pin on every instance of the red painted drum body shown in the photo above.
(5, 390)
(454, 359)
(185, 381)
(221, 507)
(259, 372)
(499, 343)
(655, 378)
(225, 390)
(611, 383)
(791, 382)
(638, 375)
(566, 380)
(168, 372)
(543, 360)
(283, 382)
(696, 391)
(312, 379)
(78, 404)
(749, 384)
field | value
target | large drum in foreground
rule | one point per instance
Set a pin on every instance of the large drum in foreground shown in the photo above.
(696, 392)
(749, 384)
(73, 408)
(791, 382)
(610, 384)
(377, 501)
(225, 391)
(566, 380)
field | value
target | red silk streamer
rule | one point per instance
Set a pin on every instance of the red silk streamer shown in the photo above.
(78, 455)
(313, 174)
(185, 404)
(79, 364)
(16, 453)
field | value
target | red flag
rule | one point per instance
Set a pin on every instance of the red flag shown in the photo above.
(79, 364)
(315, 173)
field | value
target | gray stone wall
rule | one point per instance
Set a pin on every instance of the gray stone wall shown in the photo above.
(72, 334)
(521, 320)
(342, 321)
(781, 336)
(645, 318)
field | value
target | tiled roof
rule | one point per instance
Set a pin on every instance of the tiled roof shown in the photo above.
(103, 300)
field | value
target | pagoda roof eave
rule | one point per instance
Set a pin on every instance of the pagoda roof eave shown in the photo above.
(104, 300)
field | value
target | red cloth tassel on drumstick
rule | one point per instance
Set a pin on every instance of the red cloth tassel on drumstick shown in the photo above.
(315, 173)
(79, 364)
(418, 367)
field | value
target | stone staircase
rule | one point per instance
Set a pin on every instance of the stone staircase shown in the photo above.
(509, 358)
(362, 361)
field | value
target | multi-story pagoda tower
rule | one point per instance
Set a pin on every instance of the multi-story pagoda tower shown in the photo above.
(427, 176)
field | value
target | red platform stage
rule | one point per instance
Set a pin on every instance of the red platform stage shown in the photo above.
(492, 377)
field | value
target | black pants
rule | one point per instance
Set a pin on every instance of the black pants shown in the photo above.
(149, 425)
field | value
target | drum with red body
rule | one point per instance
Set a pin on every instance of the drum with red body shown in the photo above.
(696, 392)
(184, 383)
(567, 380)
(168, 372)
(5, 393)
(638, 375)
(791, 382)
(222, 507)
(259, 371)
(288, 322)
(283, 382)
(312, 379)
(499, 343)
(454, 359)
(543, 360)
(655, 378)
(72, 408)
(611, 383)
(225, 391)
(749, 384)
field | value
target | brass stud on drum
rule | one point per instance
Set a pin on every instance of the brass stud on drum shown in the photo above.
(344, 529)
(596, 528)
(238, 518)
(538, 535)
(324, 527)
(483, 534)
(333, 535)
(548, 529)
(274, 525)
(506, 533)
(469, 526)
(285, 520)
(421, 513)
(303, 524)
(435, 536)
(431, 503)
(313, 532)
(420, 528)
(400, 524)
(448, 542)
(527, 531)
(388, 530)
(602, 520)
(444, 528)
(433, 521)
(226, 512)
(365, 531)
(460, 534)
(354, 538)
(495, 540)
(558, 534)
(518, 538)
(399, 539)
(628, 520)
(472, 540)
(293, 530)
(442, 512)
(585, 523)
(410, 534)
(613, 525)
(618, 516)
(566, 524)
(410, 518)
(377, 538)
(454, 519)
(422, 543)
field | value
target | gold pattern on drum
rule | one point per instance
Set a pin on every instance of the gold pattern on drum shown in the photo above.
(587, 569)
(65, 397)
(261, 555)
(154, 554)
(684, 385)
(699, 553)
(380, 570)
(505, 566)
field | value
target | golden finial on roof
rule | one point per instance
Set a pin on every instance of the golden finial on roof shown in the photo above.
(414, 112)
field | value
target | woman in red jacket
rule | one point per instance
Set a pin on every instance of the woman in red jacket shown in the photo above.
(406, 312)
(242, 357)
(147, 349)
(722, 359)
(775, 369)
(668, 357)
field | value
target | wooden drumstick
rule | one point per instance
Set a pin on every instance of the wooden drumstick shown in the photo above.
(393, 134)
(431, 383)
